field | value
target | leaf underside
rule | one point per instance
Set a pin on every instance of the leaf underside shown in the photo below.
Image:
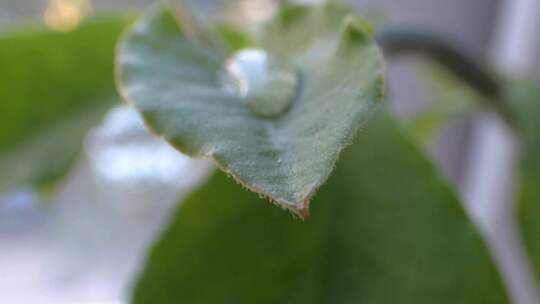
(55, 87)
(386, 229)
(173, 80)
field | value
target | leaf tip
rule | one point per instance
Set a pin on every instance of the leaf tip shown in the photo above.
(355, 29)
(302, 210)
(302, 213)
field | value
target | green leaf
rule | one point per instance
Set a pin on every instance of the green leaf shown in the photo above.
(386, 229)
(523, 98)
(55, 86)
(174, 81)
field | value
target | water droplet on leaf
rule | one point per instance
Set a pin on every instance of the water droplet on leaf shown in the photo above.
(267, 85)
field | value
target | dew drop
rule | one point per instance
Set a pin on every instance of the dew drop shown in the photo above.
(267, 85)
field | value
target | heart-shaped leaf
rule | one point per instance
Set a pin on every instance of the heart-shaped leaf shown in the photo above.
(297, 102)
(54, 88)
(386, 229)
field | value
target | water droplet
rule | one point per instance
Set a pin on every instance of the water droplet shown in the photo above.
(267, 85)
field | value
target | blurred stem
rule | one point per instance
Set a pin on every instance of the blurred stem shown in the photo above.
(472, 72)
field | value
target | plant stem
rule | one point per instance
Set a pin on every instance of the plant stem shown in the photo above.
(472, 72)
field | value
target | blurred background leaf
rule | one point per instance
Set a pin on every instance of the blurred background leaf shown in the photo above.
(451, 99)
(55, 87)
(385, 229)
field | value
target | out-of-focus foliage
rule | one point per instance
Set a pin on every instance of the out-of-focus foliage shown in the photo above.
(385, 229)
(451, 99)
(524, 99)
(55, 86)
(173, 81)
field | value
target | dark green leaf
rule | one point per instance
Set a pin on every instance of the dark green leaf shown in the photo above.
(174, 82)
(386, 229)
(55, 86)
